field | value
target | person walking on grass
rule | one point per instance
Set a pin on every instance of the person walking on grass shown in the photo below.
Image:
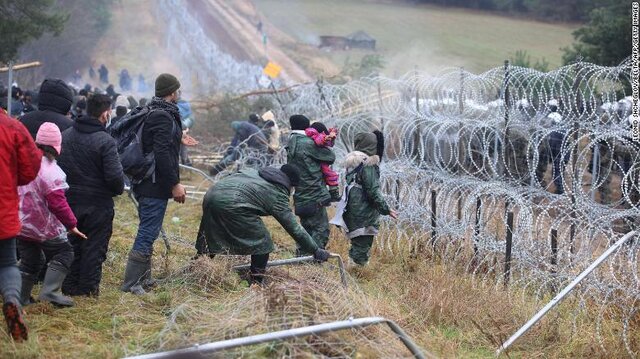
(311, 196)
(231, 212)
(324, 137)
(162, 136)
(19, 164)
(364, 201)
(94, 173)
(46, 219)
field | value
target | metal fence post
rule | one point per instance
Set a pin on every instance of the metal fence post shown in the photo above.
(476, 230)
(433, 219)
(507, 254)
(10, 88)
(554, 257)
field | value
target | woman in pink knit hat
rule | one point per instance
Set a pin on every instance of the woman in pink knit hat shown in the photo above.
(46, 218)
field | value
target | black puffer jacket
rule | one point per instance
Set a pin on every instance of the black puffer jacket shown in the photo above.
(90, 160)
(54, 102)
(162, 134)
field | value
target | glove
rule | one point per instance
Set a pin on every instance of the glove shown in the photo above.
(321, 255)
(335, 194)
(213, 171)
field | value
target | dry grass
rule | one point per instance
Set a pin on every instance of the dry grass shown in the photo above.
(444, 309)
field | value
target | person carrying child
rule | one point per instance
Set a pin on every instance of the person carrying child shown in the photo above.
(46, 218)
(364, 201)
(325, 138)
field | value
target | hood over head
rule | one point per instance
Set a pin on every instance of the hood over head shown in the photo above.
(275, 176)
(55, 96)
(366, 142)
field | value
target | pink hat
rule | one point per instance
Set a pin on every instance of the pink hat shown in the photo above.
(49, 135)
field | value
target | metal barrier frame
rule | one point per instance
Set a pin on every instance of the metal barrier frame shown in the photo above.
(298, 260)
(560, 296)
(201, 350)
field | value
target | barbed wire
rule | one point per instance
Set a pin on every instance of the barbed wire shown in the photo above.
(552, 150)
(472, 159)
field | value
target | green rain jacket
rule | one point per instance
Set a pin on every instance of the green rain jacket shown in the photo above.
(311, 193)
(365, 202)
(232, 209)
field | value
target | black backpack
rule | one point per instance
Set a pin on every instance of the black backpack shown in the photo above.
(128, 135)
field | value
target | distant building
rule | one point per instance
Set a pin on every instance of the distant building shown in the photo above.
(357, 40)
(334, 42)
(361, 40)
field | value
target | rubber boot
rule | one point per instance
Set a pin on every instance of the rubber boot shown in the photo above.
(138, 265)
(52, 283)
(147, 279)
(16, 326)
(256, 275)
(28, 280)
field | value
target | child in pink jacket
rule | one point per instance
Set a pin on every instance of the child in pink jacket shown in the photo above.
(46, 218)
(324, 137)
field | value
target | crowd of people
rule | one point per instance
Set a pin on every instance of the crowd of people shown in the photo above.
(65, 161)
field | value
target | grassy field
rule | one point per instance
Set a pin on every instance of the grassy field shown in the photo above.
(423, 37)
(444, 309)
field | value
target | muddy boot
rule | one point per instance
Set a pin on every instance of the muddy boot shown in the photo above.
(138, 265)
(28, 280)
(16, 326)
(51, 285)
(10, 291)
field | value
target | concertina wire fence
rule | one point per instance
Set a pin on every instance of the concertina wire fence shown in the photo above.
(519, 176)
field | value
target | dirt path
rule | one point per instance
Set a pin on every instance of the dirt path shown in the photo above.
(243, 32)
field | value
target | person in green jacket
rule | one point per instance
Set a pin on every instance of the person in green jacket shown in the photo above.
(311, 196)
(365, 202)
(231, 212)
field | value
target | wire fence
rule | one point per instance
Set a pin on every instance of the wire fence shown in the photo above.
(519, 176)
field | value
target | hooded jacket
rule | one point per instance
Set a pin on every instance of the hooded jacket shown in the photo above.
(365, 203)
(90, 160)
(20, 162)
(303, 153)
(54, 102)
(232, 209)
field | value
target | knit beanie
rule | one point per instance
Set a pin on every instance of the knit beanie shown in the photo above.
(299, 122)
(49, 135)
(166, 84)
(292, 172)
(320, 127)
(235, 125)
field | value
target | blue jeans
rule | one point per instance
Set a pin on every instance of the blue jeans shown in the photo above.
(151, 212)
(8, 252)
(10, 280)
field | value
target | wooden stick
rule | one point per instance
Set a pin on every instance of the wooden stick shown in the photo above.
(22, 66)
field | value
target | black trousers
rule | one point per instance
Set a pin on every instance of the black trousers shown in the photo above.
(32, 260)
(86, 271)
